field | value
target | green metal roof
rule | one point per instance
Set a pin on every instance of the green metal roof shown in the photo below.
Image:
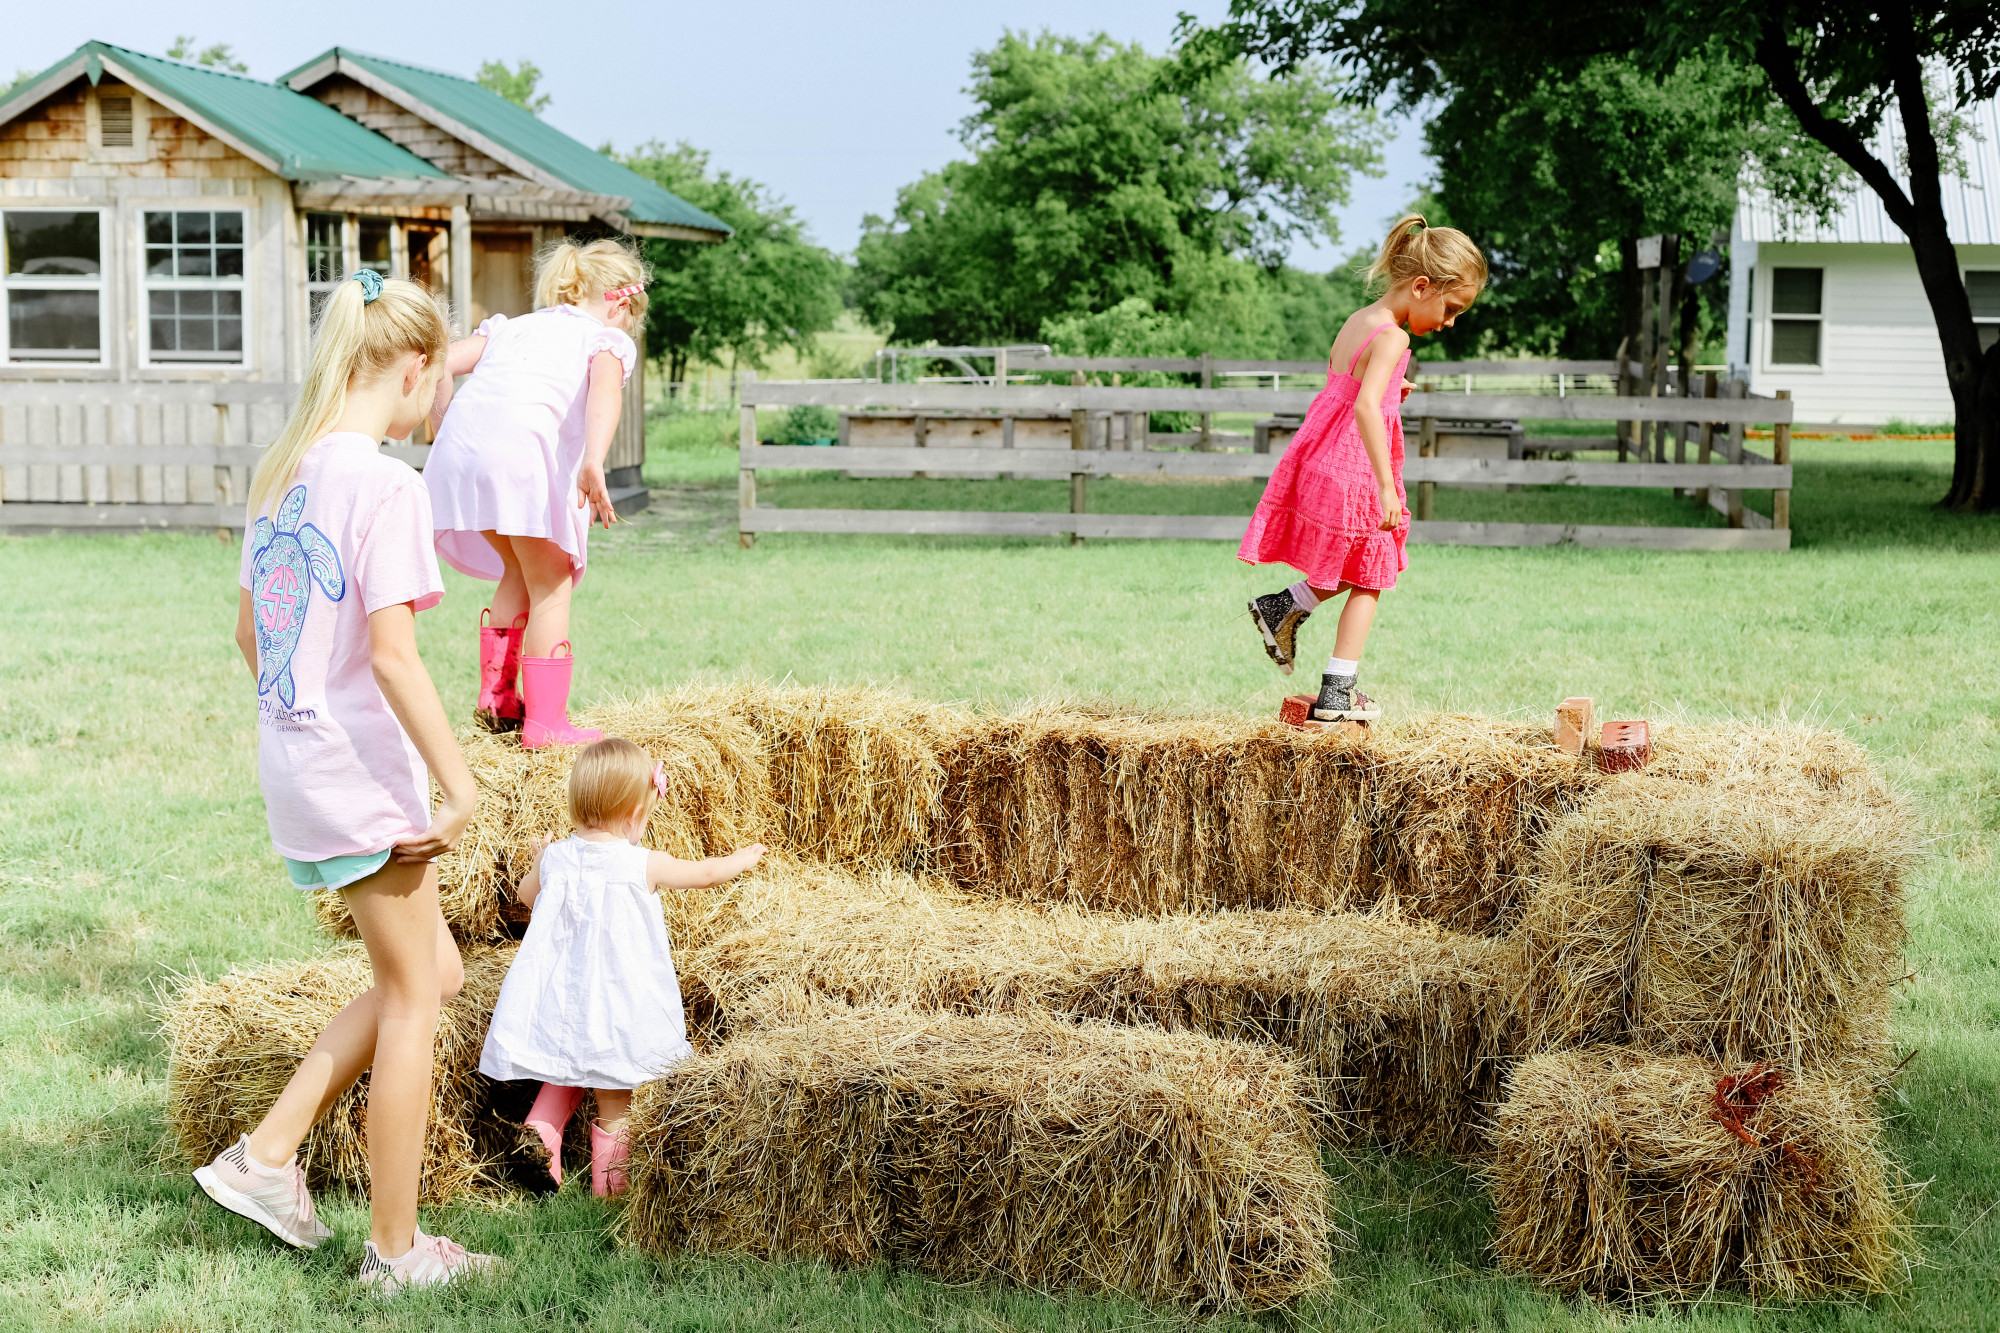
(515, 129)
(303, 138)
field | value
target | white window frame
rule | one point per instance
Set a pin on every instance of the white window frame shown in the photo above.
(28, 282)
(148, 284)
(1979, 321)
(1773, 315)
(345, 248)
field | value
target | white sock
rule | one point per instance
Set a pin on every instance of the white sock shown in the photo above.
(1340, 666)
(1302, 594)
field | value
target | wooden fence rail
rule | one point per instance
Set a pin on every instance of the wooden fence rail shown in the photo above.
(1190, 365)
(1086, 459)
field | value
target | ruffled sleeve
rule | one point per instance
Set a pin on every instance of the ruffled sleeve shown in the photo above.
(619, 344)
(489, 326)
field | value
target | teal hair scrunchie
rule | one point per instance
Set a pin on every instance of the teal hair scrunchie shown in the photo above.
(371, 284)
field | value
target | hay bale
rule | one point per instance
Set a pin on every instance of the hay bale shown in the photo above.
(1401, 1027)
(1171, 1167)
(855, 772)
(1142, 812)
(1674, 920)
(1748, 757)
(1619, 1173)
(234, 1043)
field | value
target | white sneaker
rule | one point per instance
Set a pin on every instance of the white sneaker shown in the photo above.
(274, 1197)
(429, 1262)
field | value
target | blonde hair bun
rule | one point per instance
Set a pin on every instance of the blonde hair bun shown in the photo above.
(1415, 249)
(569, 271)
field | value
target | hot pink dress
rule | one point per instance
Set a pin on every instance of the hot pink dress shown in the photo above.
(511, 445)
(1321, 513)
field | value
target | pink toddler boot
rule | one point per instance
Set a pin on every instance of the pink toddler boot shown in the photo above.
(542, 1135)
(499, 707)
(545, 687)
(607, 1161)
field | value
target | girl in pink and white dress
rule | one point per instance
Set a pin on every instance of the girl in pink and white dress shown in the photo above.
(517, 471)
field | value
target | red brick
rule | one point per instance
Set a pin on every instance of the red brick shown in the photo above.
(1297, 710)
(1624, 745)
(1573, 720)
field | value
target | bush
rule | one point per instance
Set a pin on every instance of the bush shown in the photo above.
(804, 425)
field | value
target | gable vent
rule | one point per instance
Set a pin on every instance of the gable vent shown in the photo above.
(114, 121)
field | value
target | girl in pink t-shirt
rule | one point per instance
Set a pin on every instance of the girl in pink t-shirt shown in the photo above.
(337, 561)
(518, 471)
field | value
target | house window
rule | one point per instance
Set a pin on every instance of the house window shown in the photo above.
(54, 284)
(1983, 286)
(194, 286)
(326, 258)
(372, 239)
(1795, 316)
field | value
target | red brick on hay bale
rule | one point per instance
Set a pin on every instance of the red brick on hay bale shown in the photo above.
(1172, 1167)
(1619, 1173)
(1624, 746)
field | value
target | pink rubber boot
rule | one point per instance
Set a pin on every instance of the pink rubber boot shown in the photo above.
(547, 1119)
(545, 690)
(499, 707)
(607, 1161)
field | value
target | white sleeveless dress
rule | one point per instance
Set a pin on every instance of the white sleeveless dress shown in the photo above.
(591, 1000)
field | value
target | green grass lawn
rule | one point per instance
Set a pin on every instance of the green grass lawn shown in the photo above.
(133, 850)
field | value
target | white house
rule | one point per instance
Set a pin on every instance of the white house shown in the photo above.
(1835, 312)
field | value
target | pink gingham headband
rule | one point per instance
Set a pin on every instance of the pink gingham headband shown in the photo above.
(660, 778)
(618, 294)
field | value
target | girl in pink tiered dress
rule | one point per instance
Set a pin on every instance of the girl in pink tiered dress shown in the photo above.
(517, 472)
(1334, 507)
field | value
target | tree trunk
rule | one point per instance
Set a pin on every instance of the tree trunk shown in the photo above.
(677, 364)
(1629, 311)
(1690, 325)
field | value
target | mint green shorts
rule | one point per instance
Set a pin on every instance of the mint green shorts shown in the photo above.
(336, 872)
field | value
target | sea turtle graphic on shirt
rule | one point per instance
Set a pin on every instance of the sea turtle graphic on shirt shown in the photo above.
(288, 557)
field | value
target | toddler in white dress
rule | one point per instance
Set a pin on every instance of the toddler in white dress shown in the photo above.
(517, 471)
(591, 1000)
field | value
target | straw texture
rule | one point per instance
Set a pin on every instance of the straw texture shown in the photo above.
(1619, 1173)
(1399, 1026)
(1171, 1167)
(237, 1041)
(1676, 921)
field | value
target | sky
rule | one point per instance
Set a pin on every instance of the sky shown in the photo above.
(832, 105)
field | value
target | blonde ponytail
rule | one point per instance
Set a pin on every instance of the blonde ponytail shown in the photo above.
(1415, 249)
(567, 272)
(357, 341)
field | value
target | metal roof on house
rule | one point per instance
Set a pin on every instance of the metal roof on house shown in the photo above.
(291, 135)
(509, 134)
(1971, 202)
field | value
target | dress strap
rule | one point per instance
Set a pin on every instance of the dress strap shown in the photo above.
(1387, 323)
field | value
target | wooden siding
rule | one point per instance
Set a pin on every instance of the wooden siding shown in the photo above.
(378, 113)
(1879, 353)
(52, 142)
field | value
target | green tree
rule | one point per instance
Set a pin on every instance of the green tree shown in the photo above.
(516, 85)
(1841, 70)
(218, 56)
(1093, 179)
(768, 286)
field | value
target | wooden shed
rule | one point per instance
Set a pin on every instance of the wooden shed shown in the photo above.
(167, 230)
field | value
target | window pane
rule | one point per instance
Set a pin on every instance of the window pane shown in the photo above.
(229, 335)
(1794, 342)
(228, 261)
(1988, 335)
(1795, 291)
(197, 335)
(324, 260)
(1984, 289)
(52, 322)
(43, 242)
(191, 228)
(159, 228)
(374, 244)
(229, 304)
(196, 263)
(159, 261)
(229, 229)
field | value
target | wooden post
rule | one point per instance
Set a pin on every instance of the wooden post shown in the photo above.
(923, 441)
(1737, 389)
(1427, 447)
(746, 478)
(1623, 428)
(1079, 438)
(461, 264)
(1781, 452)
(1207, 367)
(999, 367)
(1707, 432)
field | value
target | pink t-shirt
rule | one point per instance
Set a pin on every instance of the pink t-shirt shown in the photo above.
(351, 535)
